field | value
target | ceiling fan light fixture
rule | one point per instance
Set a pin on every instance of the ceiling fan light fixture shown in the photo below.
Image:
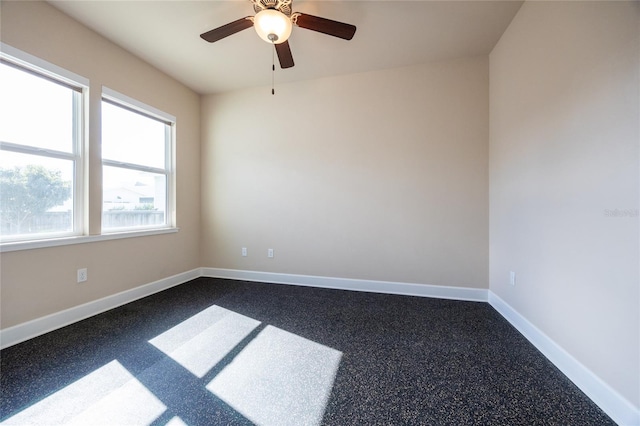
(272, 26)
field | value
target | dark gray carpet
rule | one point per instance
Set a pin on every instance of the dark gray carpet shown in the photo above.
(306, 355)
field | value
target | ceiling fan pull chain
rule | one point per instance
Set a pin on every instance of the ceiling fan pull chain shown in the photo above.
(273, 70)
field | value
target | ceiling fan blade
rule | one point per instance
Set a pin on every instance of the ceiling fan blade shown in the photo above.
(324, 25)
(227, 30)
(284, 55)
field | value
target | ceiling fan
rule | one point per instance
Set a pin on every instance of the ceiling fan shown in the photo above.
(274, 21)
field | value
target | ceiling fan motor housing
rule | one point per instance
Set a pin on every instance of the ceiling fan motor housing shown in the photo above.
(283, 6)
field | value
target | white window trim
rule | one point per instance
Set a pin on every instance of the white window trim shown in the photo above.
(122, 99)
(81, 239)
(81, 84)
(47, 68)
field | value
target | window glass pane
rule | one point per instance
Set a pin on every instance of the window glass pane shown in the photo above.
(36, 194)
(132, 138)
(35, 111)
(132, 199)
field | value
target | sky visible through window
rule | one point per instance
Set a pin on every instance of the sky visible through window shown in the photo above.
(38, 113)
(132, 138)
(35, 111)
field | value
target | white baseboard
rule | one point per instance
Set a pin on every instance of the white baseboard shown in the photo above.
(387, 287)
(611, 402)
(25, 331)
(21, 332)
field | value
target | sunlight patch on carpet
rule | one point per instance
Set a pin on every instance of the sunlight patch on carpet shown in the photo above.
(202, 341)
(279, 378)
(108, 396)
(176, 421)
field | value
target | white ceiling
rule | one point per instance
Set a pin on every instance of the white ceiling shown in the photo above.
(390, 34)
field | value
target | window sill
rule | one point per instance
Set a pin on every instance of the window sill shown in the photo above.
(54, 242)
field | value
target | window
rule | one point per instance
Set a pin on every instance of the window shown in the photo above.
(44, 169)
(41, 149)
(137, 146)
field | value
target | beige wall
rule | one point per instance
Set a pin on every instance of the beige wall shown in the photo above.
(381, 175)
(34, 283)
(564, 149)
(385, 176)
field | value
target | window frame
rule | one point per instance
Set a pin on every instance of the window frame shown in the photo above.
(79, 85)
(83, 214)
(133, 105)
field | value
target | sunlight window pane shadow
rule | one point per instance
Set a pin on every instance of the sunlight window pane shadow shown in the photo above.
(176, 421)
(279, 378)
(202, 341)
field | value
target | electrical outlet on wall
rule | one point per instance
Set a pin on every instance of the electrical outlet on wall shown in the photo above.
(512, 278)
(270, 253)
(82, 275)
(244, 252)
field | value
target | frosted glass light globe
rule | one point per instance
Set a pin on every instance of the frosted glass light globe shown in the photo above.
(272, 26)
